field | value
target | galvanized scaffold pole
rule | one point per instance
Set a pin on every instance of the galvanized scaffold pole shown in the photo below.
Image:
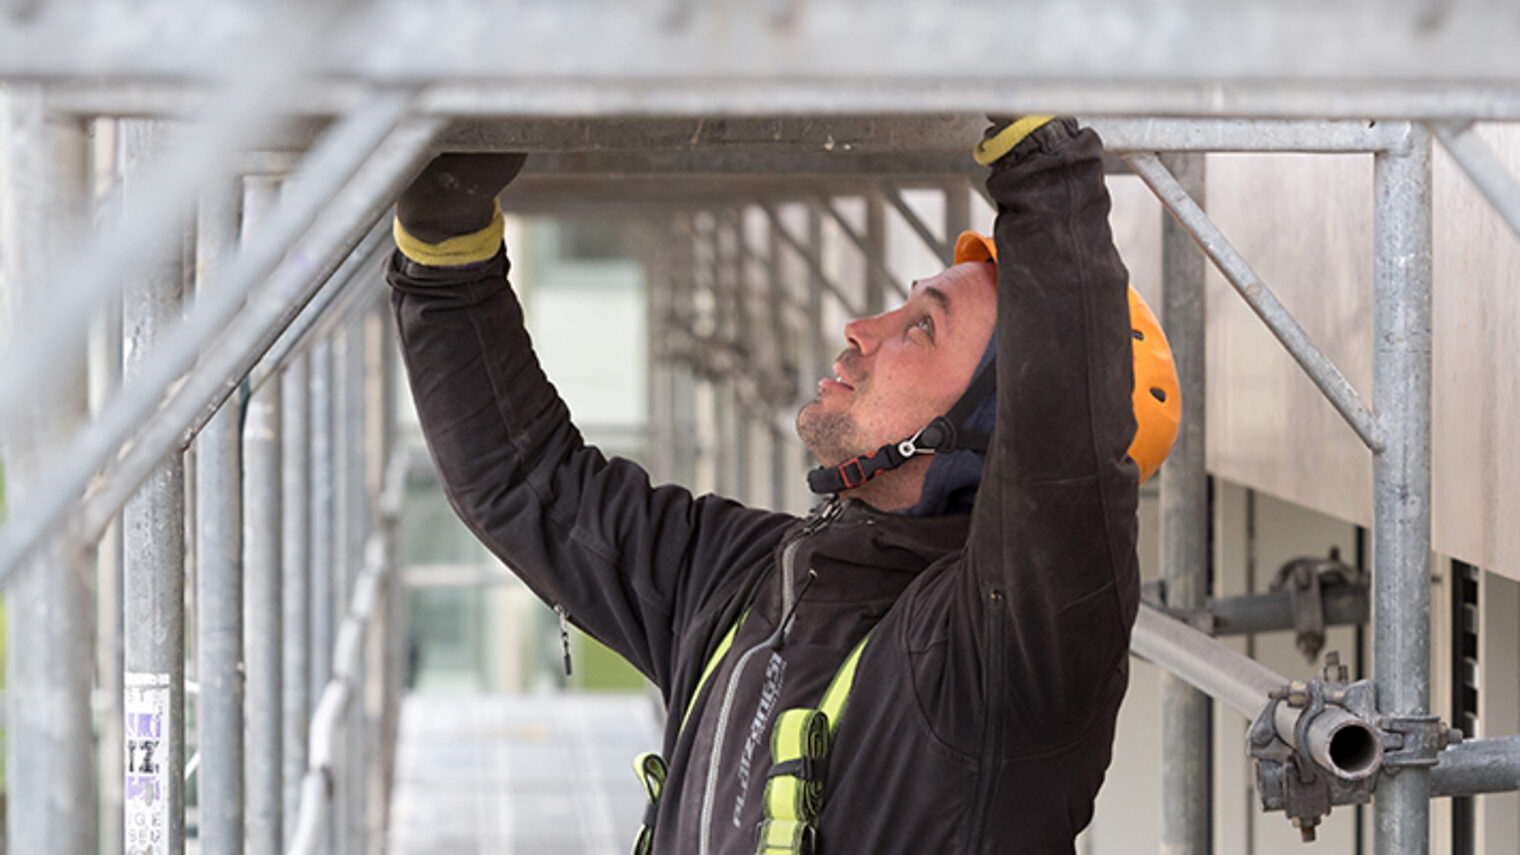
(111, 750)
(1187, 714)
(392, 623)
(262, 608)
(323, 526)
(783, 344)
(820, 347)
(219, 558)
(686, 440)
(49, 636)
(295, 584)
(354, 526)
(153, 523)
(733, 278)
(877, 278)
(1401, 370)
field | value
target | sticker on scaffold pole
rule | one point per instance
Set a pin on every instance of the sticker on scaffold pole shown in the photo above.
(148, 763)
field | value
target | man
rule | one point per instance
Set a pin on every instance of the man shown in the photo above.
(981, 650)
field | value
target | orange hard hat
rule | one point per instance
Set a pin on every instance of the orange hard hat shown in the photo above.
(1157, 399)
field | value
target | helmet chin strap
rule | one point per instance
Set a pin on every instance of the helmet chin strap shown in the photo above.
(939, 435)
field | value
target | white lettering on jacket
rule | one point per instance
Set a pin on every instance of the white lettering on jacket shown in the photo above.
(775, 675)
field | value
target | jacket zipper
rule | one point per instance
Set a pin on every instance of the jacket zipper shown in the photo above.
(822, 517)
(992, 730)
(564, 634)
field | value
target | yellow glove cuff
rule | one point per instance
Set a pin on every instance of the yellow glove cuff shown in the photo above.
(457, 251)
(989, 150)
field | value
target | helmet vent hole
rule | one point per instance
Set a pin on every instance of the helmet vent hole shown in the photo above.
(1158, 393)
(1138, 335)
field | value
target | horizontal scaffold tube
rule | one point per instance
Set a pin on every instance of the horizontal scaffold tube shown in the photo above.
(1245, 685)
(1235, 680)
(1343, 604)
(1477, 766)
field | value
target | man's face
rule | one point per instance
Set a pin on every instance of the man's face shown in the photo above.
(904, 367)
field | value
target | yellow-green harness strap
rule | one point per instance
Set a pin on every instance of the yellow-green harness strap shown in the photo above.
(650, 767)
(712, 665)
(651, 770)
(800, 743)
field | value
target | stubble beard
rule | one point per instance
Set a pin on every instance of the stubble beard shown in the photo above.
(827, 435)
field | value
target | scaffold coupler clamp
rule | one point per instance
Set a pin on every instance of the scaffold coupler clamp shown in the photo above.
(1304, 580)
(1299, 775)
(1414, 740)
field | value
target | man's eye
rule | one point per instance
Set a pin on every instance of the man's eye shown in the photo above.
(926, 324)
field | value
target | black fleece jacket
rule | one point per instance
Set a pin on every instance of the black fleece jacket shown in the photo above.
(983, 710)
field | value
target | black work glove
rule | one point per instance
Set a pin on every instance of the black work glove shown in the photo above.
(456, 195)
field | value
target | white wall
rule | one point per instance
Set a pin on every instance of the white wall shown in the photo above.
(1304, 222)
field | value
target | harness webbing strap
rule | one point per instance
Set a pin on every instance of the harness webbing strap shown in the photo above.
(651, 768)
(712, 665)
(838, 693)
(800, 744)
(786, 837)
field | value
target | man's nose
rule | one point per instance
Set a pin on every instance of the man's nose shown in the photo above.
(864, 334)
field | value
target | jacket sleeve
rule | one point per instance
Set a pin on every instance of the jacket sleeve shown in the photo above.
(1051, 554)
(629, 563)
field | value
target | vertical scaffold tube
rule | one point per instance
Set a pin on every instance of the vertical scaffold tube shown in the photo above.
(295, 582)
(49, 638)
(219, 563)
(111, 750)
(820, 348)
(323, 528)
(782, 344)
(153, 526)
(734, 273)
(391, 622)
(683, 396)
(352, 465)
(1187, 714)
(658, 293)
(262, 631)
(1401, 368)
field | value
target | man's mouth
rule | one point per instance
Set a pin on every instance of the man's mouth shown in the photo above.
(834, 383)
(842, 379)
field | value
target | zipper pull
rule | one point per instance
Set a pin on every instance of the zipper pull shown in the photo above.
(823, 515)
(564, 634)
(778, 638)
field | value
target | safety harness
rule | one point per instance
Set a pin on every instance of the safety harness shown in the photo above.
(800, 743)
(943, 434)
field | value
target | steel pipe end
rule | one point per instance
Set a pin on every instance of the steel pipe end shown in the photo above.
(1343, 744)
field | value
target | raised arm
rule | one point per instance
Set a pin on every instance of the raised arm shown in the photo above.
(1052, 544)
(629, 563)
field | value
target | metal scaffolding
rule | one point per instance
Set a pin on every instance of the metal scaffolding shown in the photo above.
(274, 373)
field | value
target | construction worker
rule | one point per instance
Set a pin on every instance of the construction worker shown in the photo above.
(930, 662)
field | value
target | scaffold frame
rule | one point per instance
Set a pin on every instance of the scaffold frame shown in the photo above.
(284, 341)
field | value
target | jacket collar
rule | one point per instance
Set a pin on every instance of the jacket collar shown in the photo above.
(866, 554)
